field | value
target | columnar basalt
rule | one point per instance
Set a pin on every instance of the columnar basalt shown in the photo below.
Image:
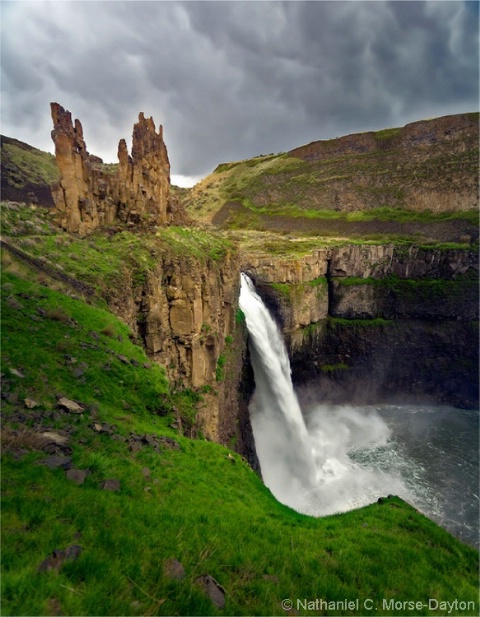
(370, 322)
(184, 313)
(90, 196)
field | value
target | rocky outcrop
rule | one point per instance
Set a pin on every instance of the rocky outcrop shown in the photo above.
(374, 361)
(73, 196)
(379, 321)
(90, 195)
(184, 313)
(144, 178)
(428, 165)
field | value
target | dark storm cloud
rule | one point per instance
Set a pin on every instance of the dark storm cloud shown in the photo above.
(233, 79)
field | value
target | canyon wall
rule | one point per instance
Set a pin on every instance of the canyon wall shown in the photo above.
(90, 194)
(183, 312)
(371, 323)
(428, 165)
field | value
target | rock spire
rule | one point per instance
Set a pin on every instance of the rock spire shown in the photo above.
(90, 194)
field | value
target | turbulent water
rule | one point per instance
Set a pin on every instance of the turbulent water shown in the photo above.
(333, 459)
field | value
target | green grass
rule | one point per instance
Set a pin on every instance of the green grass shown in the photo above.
(386, 134)
(25, 165)
(359, 323)
(331, 368)
(198, 243)
(106, 261)
(384, 213)
(44, 328)
(202, 503)
(420, 289)
(296, 291)
(352, 186)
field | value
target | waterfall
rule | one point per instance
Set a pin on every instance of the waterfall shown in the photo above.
(281, 437)
(307, 467)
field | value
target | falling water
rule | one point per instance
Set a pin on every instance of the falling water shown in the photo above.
(332, 459)
(310, 468)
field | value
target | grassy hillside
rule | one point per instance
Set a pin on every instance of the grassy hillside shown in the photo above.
(181, 499)
(420, 180)
(76, 547)
(26, 172)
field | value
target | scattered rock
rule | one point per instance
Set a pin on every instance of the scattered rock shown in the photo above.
(70, 406)
(271, 578)
(123, 359)
(214, 591)
(78, 372)
(381, 500)
(56, 461)
(146, 472)
(17, 373)
(134, 446)
(105, 429)
(55, 438)
(58, 557)
(169, 443)
(30, 403)
(173, 569)
(18, 453)
(77, 475)
(147, 365)
(110, 485)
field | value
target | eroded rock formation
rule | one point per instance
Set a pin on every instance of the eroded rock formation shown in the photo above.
(184, 313)
(90, 195)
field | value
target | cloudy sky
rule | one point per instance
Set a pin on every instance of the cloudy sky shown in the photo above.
(230, 80)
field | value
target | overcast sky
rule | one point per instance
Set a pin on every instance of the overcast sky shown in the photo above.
(230, 80)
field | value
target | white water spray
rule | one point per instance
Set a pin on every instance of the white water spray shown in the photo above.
(306, 466)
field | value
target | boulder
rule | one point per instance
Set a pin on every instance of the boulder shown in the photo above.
(213, 590)
(70, 406)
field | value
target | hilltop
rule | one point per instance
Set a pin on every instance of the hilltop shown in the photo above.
(27, 173)
(417, 180)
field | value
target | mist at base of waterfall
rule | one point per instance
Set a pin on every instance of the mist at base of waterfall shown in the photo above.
(321, 460)
(426, 455)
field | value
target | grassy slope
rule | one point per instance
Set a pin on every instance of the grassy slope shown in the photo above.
(26, 170)
(265, 190)
(202, 505)
(106, 260)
